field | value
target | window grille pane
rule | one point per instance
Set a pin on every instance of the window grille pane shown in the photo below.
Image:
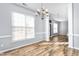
(18, 19)
(29, 21)
(18, 35)
(30, 33)
(55, 28)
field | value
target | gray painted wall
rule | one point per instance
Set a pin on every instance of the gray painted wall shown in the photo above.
(63, 28)
(5, 27)
(76, 25)
(73, 21)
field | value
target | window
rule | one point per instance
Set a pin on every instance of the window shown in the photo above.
(22, 26)
(55, 28)
(29, 27)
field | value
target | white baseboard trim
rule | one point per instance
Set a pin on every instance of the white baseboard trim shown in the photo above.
(17, 47)
(73, 47)
(57, 43)
(51, 35)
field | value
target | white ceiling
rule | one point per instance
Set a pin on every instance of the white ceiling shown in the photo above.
(58, 9)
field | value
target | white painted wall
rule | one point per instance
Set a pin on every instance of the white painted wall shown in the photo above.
(70, 25)
(47, 29)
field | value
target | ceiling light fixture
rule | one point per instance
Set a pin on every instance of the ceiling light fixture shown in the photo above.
(42, 12)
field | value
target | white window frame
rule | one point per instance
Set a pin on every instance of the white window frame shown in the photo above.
(22, 29)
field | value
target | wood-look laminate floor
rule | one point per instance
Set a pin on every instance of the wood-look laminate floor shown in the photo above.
(57, 46)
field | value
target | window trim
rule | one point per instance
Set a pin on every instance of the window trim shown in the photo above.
(24, 27)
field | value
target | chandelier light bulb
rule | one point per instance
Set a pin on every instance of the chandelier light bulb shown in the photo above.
(42, 11)
(46, 10)
(38, 10)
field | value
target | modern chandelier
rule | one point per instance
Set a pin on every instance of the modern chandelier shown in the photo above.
(42, 12)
